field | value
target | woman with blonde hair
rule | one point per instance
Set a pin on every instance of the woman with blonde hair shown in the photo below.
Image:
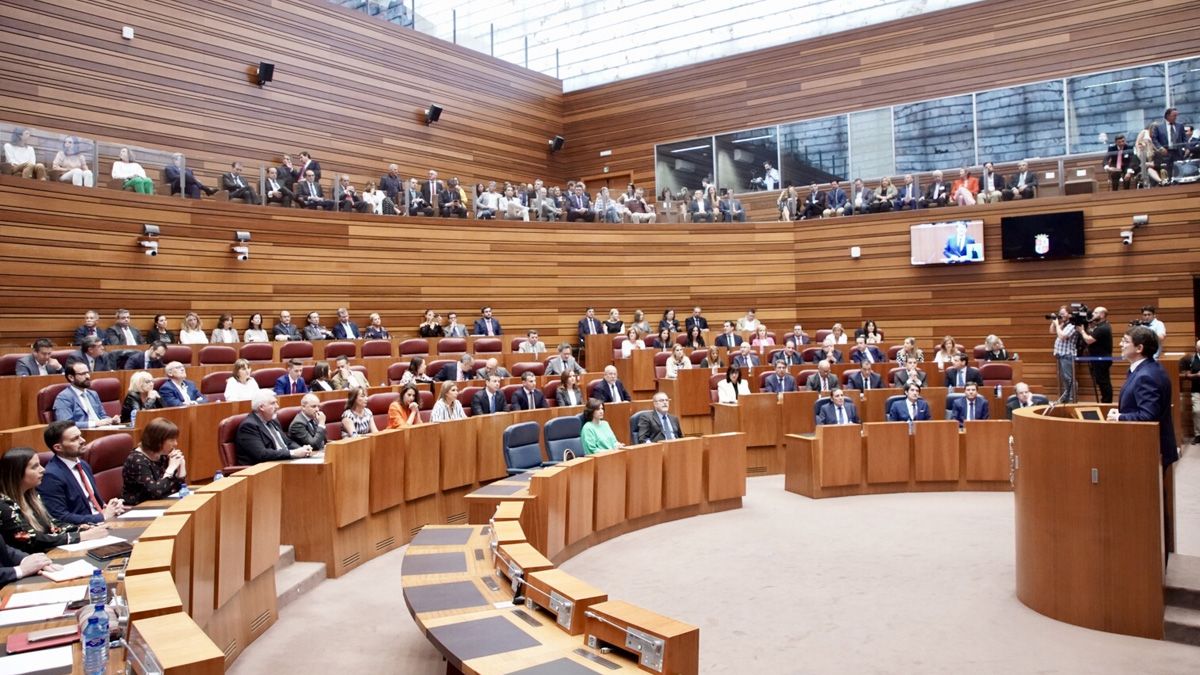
(191, 332)
(141, 396)
(447, 406)
(1143, 148)
(241, 386)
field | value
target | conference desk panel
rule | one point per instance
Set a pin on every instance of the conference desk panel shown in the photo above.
(264, 501)
(682, 472)
(549, 487)
(231, 498)
(312, 510)
(581, 496)
(597, 352)
(689, 392)
(28, 437)
(887, 452)
(935, 450)
(796, 414)
(201, 510)
(350, 461)
(724, 467)
(637, 371)
(387, 470)
(841, 459)
(178, 644)
(643, 479)
(458, 460)
(422, 461)
(178, 530)
(985, 450)
(610, 490)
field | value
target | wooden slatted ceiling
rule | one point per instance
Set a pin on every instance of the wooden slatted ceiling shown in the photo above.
(82, 244)
(970, 48)
(349, 89)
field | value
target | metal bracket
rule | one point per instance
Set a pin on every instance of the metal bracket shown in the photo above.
(562, 608)
(649, 647)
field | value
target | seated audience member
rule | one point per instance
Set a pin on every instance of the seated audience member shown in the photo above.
(192, 331)
(159, 331)
(486, 324)
(68, 488)
(277, 191)
(885, 197)
(1022, 185)
(240, 386)
(912, 409)
(126, 169)
(696, 320)
(492, 367)
(1121, 165)
(579, 207)
(308, 426)
(156, 469)
(750, 322)
(24, 521)
(291, 382)
(1022, 399)
(964, 189)
(699, 208)
(447, 406)
(568, 392)
(839, 410)
(289, 174)
(959, 374)
(695, 338)
(870, 331)
(416, 199)
(860, 199)
(178, 390)
(459, 371)
(909, 195)
(237, 187)
(866, 378)
(829, 351)
(21, 158)
(489, 399)
(668, 321)
(405, 411)
(946, 349)
(141, 396)
(839, 334)
(659, 424)
(799, 336)
(78, 403)
(611, 390)
(547, 207)
(121, 333)
(90, 328)
(191, 187)
(835, 201)
(728, 338)
(14, 564)
(732, 387)
(823, 380)
(452, 201)
(911, 373)
(417, 371)
(788, 204)
(377, 202)
(345, 377)
(745, 358)
(357, 418)
(606, 208)
(308, 193)
(39, 361)
(431, 325)
(528, 397)
(391, 184)
(761, 339)
(814, 204)
(991, 184)
(639, 210)
(596, 435)
(307, 164)
(662, 341)
(91, 353)
(320, 378)
(72, 161)
(788, 356)
(779, 381)
(254, 329)
(614, 325)
(313, 330)
(971, 406)
(710, 193)
(632, 341)
(347, 197)
(910, 352)
(510, 207)
(993, 349)
(731, 208)
(937, 194)
(865, 352)
(259, 437)
(375, 329)
(345, 329)
(531, 344)
(679, 361)
(713, 360)
(564, 362)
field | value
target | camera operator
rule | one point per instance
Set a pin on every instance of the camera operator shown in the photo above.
(1099, 343)
(1066, 340)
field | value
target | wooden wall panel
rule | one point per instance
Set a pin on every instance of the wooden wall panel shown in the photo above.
(970, 48)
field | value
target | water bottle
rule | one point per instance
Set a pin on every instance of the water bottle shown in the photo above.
(95, 644)
(133, 418)
(184, 491)
(218, 476)
(911, 428)
(999, 391)
(97, 589)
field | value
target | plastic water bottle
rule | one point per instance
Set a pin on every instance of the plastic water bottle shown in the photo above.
(911, 429)
(218, 476)
(184, 491)
(133, 418)
(95, 644)
(97, 589)
(999, 391)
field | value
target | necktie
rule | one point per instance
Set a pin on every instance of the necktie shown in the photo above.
(912, 411)
(841, 415)
(616, 397)
(822, 382)
(1169, 134)
(970, 410)
(491, 403)
(238, 180)
(870, 359)
(87, 487)
(866, 382)
(1021, 181)
(128, 336)
(294, 387)
(1119, 153)
(312, 426)
(86, 402)
(277, 437)
(962, 377)
(668, 433)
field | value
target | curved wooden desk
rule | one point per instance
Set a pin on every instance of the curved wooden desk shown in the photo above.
(1089, 522)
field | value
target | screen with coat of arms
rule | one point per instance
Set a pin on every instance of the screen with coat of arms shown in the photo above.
(1043, 236)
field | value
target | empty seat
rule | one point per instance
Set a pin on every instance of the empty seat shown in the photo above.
(551, 392)
(211, 355)
(415, 347)
(522, 451)
(822, 334)
(697, 356)
(396, 371)
(893, 352)
(109, 391)
(333, 408)
(522, 367)
(265, 377)
(616, 343)
(375, 348)
(452, 346)
(285, 416)
(295, 350)
(563, 434)
(979, 352)
(341, 348)
(109, 452)
(996, 372)
(379, 403)
(110, 483)
(8, 364)
(226, 447)
(257, 351)
(514, 345)
(180, 353)
(489, 345)
(465, 394)
(634, 420)
(508, 390)
(213, 384)
(809, 355)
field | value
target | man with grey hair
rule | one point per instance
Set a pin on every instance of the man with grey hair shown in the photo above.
(938, 193)
(178, 390)
(259, 438)
(1023, 399)
(308, 426)
(463, 369)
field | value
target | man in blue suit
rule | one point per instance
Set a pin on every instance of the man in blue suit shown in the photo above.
(970, 407)
(959, 374)
(865, 378)
(835, 201)
(1146, 394)
(179, 391)
(489, 399)
(728, 339)
(293, 381)
(345, 329)
(68, 488)
(960, 247)
(589, 325)
(779, 381)
(151, 358)
(913, 408)
(78, 404)
(789, 356)
(91, 353)
(610, 390)
(864, 352)
(745, 359)
(17, 564)
(1167, 136)
(486, 324)
(838, 411)
(528, 396)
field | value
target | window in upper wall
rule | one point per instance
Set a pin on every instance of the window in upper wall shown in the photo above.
(936, 134)
(814, 151)
(871, 154)
(683, 164)
(1185, 88)
(742, 158)
(1116, 102)
(1021, 122)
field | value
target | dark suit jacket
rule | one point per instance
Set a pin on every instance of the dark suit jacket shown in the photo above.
(1129, 160)
(287, 177)
(1146, 397)
(794, 359)
(694, 206)
(816, 199)
(283, 386)
(450, 370)
(902, 378)
(314, 166)
(972, 376)
(834, 357)
(724, 340)
(1158, 133)
(857, 357)
(692, 320)
(138, 361)
(301, 190)
(828, 414)
(814, 382)
(479, 403)
(83, 332)
(997, 181)
(582, 328)
(937, 191)
(480, 329)
(64, 498)
(305, 431)
(9, 558)
(425, 194)
(902, 193)
(26, 365)
(229, 183)
(520, 400)
(560, 397)
(746, 361)
(899, 411)
(103, 362)
(172, 398)
(773, 385)
(171, 176)
(289, 330)
(339, 331)
(391, 187)
(1013, 405)
(576, 202)
(650, 428)
(113, 336)
(1031, 179)
(855, 381)
(604, 393)
(959, 409)
(254, 443)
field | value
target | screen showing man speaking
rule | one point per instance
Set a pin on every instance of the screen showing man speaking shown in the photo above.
(947, 243)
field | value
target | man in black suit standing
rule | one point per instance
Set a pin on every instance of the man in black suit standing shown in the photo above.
(307, 163)
(1121, 164)
(659, 424)
(696, 319)
(278, 191)
(391, 184)
(528, 397)
(236, 186)
(959, 374)
(490, 399)
(1167, 136)
(611, 390)
(589, 325)
(259, 437)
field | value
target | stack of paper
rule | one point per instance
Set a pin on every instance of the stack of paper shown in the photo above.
(11, 617)
(89, 545)
(47, 597)
(80, 569)
(41, 661)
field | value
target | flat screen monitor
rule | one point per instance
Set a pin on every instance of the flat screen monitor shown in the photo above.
(1043, 236)
(947, 243)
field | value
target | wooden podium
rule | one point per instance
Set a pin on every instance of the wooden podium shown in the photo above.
(1089, 520)
(597, 352)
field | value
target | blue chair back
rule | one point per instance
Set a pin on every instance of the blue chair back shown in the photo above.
(633, 425)
(820, 403)
(950, 399)
(887, 405)
(521, 449)
(562, 434)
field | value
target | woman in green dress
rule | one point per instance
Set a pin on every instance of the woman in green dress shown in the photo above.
(597, 436)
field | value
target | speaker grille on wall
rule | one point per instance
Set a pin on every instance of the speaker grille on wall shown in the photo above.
(266, 72)
(433, 113)
(556, 143)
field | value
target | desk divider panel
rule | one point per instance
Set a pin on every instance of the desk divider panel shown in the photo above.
(796, 417)
(230, 504)
(178, 529)
(610, 489)
(350, 461)
(489, 459)
(724, 466)
(682, 472)
(264, 505)
(643, 479)
(839, 454)
(422, 461)
(178, 645)
(549, 486)
(581, 495)
(986, 450)
(458, 451)
(935, 450)
(387, 470)
(871, 409)
(887, 452)
(201, 510)
(759, 419)
(691, 393)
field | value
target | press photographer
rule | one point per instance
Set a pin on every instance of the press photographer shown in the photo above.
(1099, 344)
(1063, 325)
